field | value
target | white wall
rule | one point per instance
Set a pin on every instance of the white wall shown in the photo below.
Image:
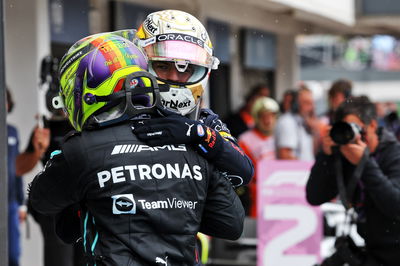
(26, 42)
(342, 11)
(288, 66)
(378, 91)
(21, 60)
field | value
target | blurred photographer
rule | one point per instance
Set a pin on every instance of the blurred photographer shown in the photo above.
(365, 172)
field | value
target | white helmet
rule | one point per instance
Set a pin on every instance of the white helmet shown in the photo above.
(177, 37)
(264, 104)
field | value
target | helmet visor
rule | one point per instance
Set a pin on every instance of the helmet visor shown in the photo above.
(178, 73)
(179, 50)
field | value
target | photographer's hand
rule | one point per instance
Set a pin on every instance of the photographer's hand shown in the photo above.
(353, 152)
(327, 143)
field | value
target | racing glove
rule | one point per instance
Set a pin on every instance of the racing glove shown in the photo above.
(211, 119)
(177, 129)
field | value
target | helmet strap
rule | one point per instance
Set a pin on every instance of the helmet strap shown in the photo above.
(130, 109)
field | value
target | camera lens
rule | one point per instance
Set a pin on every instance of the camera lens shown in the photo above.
(342, 133)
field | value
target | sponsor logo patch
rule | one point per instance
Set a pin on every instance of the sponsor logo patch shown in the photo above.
(133, 83)
(148, 41)
(149, 25)
(144, 172)
(162, 261)
(176, 104)
(169, 203)
(132, 148)
(200, 131)
(179, 37)
(189, 129)
(124, 204)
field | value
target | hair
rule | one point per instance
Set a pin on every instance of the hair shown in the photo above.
(303, 89)
(295, 100)
(341, 86)
(293, 94)
(359, 106)
(294, 103)
(255, 91)
(10, 100)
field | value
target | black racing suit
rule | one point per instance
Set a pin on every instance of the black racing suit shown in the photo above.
(141, 205)
(376, 199)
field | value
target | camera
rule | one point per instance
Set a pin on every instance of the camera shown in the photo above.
(343, 133)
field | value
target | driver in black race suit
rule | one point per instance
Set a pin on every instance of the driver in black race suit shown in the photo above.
(139, 204)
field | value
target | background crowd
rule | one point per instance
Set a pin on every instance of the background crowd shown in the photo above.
(291, 130)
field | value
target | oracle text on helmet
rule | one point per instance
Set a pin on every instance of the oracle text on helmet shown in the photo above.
(180, 37)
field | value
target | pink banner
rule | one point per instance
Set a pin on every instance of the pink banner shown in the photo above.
(289, 229)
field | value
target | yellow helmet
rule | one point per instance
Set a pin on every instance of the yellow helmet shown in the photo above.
(100, 76)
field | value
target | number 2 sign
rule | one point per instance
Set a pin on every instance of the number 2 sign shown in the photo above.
(289, 229)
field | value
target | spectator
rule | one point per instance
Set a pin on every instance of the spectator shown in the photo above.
(380, 113)
(55, 251)
(338, 93)
(258, 143)
(18, 165)
(287, 101)
(297, 131)
(391, 119)
(242, 120)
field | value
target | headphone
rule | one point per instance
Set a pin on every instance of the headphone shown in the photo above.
(294, 104)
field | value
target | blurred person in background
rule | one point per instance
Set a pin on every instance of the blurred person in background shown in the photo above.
(242, 120)
(369, 181)
(55, 251)
(380, 108)
(297, 132)
(19, 164)
(340, 91)
(258, 143)
(388, 117)
(287, 100)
